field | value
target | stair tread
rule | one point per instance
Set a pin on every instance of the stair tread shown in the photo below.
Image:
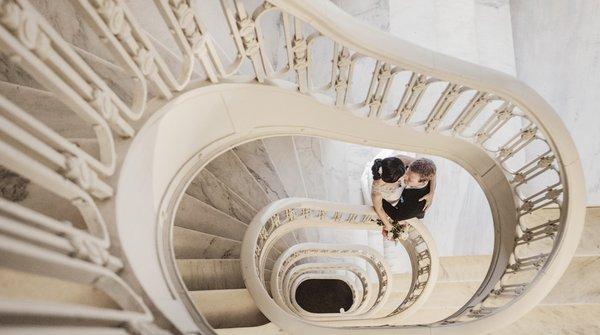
(230, 170)
(208, 189)
(197, 215)
(578, 285)
(557, 319)
(256, 159)
(189, 243)
(228, 308)
(46, 108)
(211, 274)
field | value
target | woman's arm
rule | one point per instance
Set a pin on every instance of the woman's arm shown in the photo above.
(377, 205)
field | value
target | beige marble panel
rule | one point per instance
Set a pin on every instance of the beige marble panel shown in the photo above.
(27, 286)
(45, 107)
(590, 238)
(255, 157)
(188, 244)
(208, 189)
(231, 171)
(282, 152)
(557, 320)
(311, 165)
(195, 214)
(557, 48)
(228, 308)
(579, 284)
(465, 268)
(211, 274)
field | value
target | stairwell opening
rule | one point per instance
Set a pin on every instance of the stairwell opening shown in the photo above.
(324, 295)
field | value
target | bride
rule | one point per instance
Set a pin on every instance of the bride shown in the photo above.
(403, 188)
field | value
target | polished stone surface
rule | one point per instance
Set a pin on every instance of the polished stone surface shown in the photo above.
(557, 49)
(195, 214)
(557, 320)
(255, 157)
(230, 170)
(311, 165)
(192, 244)
(282, 153)
(208, 189)
(211, 274)
(228, 308)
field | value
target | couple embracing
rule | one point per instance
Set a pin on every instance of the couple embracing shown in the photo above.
(403, 188)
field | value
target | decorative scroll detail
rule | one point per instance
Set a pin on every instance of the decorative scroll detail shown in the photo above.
(13, 187)
(53, 162)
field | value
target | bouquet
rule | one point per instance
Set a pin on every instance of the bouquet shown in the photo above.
(398, 231)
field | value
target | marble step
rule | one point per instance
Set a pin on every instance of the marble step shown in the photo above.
(283, 155)
(210, 190)
(267, 329)
(189, 243)
(577, 286)
(557, 320)
(474, 268)
(255, 157)
(214, 274)
(230, 170)
(211, 274)
(197, 215)
(46, 108)
(34, 287)
(228, 308)
(80, 34)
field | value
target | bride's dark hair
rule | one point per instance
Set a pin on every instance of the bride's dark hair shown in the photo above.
(392, 168)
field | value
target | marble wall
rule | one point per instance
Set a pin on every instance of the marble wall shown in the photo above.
(557, 51)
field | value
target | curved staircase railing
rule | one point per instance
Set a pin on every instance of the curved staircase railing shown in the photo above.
(530, 162)
(285, 216)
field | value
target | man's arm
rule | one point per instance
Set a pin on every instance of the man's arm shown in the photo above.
(429, 197)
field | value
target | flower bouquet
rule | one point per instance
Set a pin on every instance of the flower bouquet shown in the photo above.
(398, 232)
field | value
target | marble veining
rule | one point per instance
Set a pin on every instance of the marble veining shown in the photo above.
(311, 164)
(282, 152)
(195, 214)
(196, 245)
(45, 107)
(231, 171)
(211, 274)
(208, 189)
(255, 158)
(556, 44)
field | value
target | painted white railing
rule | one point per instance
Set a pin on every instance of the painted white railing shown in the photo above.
(287, 260)
(497, 128)
(285, 216)
(362, 296)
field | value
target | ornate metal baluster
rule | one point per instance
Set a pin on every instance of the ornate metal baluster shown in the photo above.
(379, 89)
(244, 33)
(494, 123)
(443, 105)
(470, 112)
(412, 95)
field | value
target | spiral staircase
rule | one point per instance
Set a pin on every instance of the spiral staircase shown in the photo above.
(164, 173)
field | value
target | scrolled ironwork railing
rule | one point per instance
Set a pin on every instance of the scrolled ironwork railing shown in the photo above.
(409, 87)
(285, 216)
